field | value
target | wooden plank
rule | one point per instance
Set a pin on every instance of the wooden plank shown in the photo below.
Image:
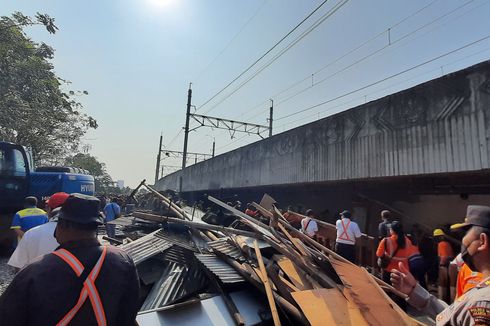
(328, 307)
(288, 284)
(295, 244)
(295, 274)
(375, 306)
(265, 281)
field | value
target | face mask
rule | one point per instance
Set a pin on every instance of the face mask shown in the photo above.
(467, 258)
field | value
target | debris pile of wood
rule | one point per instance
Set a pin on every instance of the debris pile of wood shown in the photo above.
(196, 272)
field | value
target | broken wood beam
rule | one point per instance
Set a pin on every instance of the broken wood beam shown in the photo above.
(337, 256)
(197, 225)
(265, 281)
(172, 206)
(285, 304)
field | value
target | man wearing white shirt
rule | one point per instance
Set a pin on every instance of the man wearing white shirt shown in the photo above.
(309, 225)
(347, 233)
(39, 240)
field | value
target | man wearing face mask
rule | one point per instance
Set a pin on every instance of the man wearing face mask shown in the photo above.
(472, 308)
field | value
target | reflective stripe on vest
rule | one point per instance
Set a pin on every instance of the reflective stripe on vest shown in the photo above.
(89, 289)
(344, 232)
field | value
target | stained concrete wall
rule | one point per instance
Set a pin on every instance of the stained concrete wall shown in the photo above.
(437, 127)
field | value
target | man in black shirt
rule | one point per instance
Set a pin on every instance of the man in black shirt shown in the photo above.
(81, 283)
(384, 227)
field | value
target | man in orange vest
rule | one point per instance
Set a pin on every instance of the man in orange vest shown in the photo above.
(80, 283)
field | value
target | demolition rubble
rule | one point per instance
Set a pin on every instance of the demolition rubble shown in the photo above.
(245, 273)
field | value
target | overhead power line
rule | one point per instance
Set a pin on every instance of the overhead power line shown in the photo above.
(231, 41)
(390, 44)
(284, 50)
(265, 54)
(386, 78)
(275, 96)
(282, 126)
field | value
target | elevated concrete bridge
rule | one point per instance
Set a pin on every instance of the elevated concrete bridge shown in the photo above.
(427, 140)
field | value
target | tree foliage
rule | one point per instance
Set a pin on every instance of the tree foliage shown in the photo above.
(35, 110)
(103, 181)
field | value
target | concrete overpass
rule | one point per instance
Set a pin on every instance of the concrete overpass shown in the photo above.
(436, 133)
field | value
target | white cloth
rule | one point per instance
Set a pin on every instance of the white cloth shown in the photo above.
(348, 232)
(458, 261)
(36, 242)
(309, 227)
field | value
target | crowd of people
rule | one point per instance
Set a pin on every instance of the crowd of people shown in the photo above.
(65, 275)
(415, 262)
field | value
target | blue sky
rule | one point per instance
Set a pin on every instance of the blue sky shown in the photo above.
(137, 58)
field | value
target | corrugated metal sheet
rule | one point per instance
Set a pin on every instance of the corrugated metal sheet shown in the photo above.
(179, 240)
(209, 312)
(179, 255)
(221, 269)
(177, 282)
(225, 248)
(146, 247)
(437, 127)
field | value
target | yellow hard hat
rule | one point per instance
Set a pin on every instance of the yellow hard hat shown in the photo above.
(438, 232)
(457, 226)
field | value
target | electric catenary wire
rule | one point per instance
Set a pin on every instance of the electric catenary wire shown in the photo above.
(265, 54)
(386, 78)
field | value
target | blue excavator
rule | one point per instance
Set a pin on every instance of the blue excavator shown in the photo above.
(19, 178)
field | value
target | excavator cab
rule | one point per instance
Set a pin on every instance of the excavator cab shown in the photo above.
(15, 163)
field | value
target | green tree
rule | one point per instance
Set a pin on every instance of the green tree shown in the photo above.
(35, 110)
(103, 181)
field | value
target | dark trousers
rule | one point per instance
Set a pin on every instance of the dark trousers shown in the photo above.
(347, 251)
(110, 230)
(418, 268)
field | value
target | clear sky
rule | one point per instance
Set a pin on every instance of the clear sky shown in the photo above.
(136, 59)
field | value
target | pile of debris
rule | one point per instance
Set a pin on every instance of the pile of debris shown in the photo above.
(248, 273)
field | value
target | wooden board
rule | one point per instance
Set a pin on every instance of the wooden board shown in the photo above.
(328, 307)
(294, 273)
(362, 291)
(267, 202)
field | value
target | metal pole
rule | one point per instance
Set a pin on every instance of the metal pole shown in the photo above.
(158, 158)
(270, 117)
(186, 131)
(214, 146)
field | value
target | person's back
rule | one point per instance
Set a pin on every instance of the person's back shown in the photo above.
(112, 211)
(388, 246)
(347, 233)
(385, 225)
(39, 240)
(35, 242)
(29, 217)
(81, 283)
(54, 289)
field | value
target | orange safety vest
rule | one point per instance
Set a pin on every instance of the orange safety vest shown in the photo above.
(89, 289)
(344, 231)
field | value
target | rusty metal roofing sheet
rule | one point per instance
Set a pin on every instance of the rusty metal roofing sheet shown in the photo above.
(221, 269)
(226, 248)
(177, 282)
(146, 247)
